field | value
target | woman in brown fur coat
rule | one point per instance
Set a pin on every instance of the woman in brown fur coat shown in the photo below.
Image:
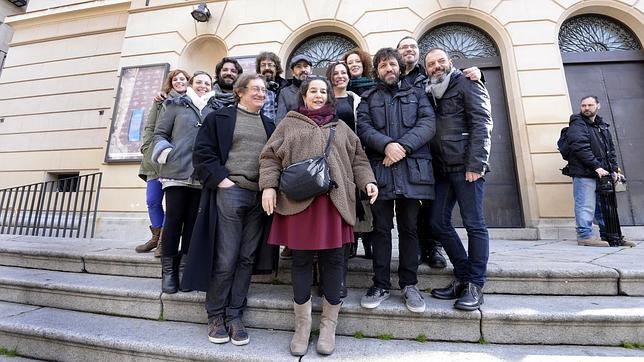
(320, 225)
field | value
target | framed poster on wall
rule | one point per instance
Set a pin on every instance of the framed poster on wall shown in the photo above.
(137, 87)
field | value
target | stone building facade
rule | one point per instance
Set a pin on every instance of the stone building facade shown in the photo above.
(60, 83)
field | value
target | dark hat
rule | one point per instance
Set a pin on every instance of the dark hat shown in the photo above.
(299, 58)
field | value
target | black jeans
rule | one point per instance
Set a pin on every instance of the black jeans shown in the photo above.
(182, 205)
(239, 232)
(331, 263)
(427, 239)
(383, 223)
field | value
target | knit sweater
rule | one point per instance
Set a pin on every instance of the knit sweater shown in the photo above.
(248, 140)
(297, 138)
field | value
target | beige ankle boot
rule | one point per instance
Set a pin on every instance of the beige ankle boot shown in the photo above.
(300, 340)
(328, 322)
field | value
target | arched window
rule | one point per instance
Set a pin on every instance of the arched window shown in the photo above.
(595, 33)
(324, 48)
(461, 41)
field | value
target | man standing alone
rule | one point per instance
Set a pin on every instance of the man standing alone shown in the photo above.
(461, 149)
(592, 155)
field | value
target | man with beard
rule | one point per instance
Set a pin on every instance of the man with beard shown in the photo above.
(592, 155)
(268, 64)
(226, 72)
(395, 125)
(461, 149)
(415, 75)
(289, 97)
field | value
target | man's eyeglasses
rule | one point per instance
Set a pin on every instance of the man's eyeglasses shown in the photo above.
(256, 89)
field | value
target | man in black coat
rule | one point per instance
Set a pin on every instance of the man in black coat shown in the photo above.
(269, 65)
(395, 124)
(461, 148)
(592, 155)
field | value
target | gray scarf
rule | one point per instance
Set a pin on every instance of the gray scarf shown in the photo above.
(438, 89)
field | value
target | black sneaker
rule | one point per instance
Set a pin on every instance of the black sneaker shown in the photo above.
(237, 332)
(217, 332)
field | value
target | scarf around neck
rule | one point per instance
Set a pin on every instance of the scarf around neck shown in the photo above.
(361, 82)
(199, 101)
(438, 89)
(320, 116)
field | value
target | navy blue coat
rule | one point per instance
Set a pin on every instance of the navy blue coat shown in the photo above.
(404, 116)
(209, 158)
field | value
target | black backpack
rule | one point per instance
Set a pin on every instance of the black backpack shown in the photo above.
(562, 144)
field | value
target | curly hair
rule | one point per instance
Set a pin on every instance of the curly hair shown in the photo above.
(225, 60)
(384, 54)
(269, 56)
(167, 83)
(365, 58)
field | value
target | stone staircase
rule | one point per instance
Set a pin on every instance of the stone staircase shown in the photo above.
(95, 299)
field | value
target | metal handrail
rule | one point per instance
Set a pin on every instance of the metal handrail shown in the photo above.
(28, 209)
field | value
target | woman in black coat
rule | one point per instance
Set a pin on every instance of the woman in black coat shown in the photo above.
(231, 224)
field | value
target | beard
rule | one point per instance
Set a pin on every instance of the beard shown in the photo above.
(589, 113)
(268, 74)
(435, 79)
(391, 81)
(226, 83)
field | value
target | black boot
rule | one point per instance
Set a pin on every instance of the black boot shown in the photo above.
(452, 291)
(182, 265)
(436, 259)
(471, 299)
(170, 274)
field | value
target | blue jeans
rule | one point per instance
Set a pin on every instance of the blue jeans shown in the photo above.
(470, 265)
(587, 207)
(239, 232)
(154, 200)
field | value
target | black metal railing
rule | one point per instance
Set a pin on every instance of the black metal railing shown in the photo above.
(59, 208)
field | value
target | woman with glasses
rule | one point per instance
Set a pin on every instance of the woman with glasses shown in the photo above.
(231, 224)
(174, 137)
(319, 225)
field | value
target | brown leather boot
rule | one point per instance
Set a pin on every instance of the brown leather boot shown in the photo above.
(328, 322)
(150, 244)
(300, 340)
(157, 251)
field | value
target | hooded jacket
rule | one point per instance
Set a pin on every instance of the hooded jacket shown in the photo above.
(591, 147)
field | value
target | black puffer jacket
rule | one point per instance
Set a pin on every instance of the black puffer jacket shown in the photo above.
(591, 147)
(405, 116)
(463, 126)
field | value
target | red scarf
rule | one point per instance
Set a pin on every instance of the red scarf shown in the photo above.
(320, 116)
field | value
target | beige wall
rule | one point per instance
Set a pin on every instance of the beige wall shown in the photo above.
(52, 121)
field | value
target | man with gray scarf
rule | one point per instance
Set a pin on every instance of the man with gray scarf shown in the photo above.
(226, 73)
(461, 150)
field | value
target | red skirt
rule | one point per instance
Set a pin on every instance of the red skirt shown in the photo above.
(318, 227)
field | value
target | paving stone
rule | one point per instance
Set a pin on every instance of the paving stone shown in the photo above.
(586, 320)
(138, 297)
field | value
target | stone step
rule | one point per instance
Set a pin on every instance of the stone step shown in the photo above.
(63, 335)
(515, 266)
(592, 320)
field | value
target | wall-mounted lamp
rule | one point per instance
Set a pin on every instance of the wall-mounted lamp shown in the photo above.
(201, 13)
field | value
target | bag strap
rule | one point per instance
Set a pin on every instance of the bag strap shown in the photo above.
(329, 141)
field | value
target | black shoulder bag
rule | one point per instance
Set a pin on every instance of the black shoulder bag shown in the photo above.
(308, 178)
